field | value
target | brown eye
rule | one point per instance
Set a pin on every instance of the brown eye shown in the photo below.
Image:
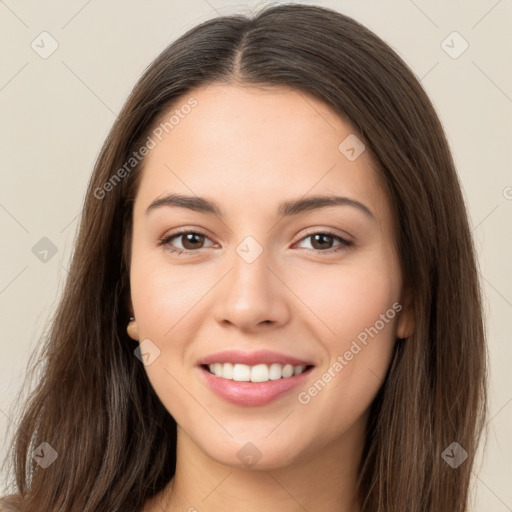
(322, 242)
(190, 241)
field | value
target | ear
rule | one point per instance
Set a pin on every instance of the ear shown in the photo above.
(133, 330)
(406, 321)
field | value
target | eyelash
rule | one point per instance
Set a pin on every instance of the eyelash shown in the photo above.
(165, 241)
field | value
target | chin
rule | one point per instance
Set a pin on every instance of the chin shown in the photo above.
(253, 451)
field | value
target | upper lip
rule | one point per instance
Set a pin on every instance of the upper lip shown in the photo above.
(252, 358)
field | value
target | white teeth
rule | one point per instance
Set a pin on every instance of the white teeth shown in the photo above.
(275, 371)
(257, 373)
(287, 370)
(241, 372)
(226, 369)
(298, 369)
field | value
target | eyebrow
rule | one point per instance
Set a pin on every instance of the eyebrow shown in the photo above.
(285, 209)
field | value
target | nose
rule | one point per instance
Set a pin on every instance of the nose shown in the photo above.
(252, 295)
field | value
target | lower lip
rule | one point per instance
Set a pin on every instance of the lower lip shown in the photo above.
(252, 393)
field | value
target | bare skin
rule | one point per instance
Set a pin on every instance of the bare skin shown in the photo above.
(248, 150)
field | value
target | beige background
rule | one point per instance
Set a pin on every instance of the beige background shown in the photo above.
(56, 112)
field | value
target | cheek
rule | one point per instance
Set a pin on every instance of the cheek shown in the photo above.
(163, 299)
(163, 294)
(361, 311)
(169, 306)
(351, 297)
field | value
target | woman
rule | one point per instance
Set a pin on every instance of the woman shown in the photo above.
(251, 371)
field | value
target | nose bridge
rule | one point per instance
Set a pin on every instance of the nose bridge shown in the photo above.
(251, 293)
(251, 277)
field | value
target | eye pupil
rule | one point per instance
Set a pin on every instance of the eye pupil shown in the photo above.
(321, 238)
(191, 238)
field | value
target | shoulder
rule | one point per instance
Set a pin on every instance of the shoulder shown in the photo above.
(10, 503)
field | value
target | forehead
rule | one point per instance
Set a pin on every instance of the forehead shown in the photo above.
(248, 147)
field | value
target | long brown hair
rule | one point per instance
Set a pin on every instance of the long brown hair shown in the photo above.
(94, 404)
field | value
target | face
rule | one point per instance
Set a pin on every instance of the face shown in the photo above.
(317, 283)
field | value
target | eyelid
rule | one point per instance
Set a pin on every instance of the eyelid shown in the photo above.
(328, 231)
(165, 239)
(345, 241)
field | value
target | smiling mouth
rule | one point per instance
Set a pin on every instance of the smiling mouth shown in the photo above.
(256, 373)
